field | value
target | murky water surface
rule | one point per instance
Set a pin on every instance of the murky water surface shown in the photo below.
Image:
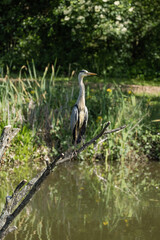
(72, 205)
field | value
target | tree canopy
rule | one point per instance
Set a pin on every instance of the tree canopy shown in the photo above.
(114, 37)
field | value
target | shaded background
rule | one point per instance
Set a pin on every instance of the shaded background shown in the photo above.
(111, 37)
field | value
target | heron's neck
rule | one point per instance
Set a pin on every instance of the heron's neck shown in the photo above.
(81, 97)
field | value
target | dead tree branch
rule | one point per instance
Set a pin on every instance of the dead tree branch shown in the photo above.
(109, 132)
(24, 192)
(6, 137)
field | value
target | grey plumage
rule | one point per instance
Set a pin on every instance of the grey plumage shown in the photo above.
(79, 115)
(78, 129)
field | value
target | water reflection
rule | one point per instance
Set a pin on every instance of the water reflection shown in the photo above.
(71, 204)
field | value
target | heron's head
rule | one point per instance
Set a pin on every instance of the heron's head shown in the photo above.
(85, 73)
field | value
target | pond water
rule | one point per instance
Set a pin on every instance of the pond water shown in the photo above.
(72, 204)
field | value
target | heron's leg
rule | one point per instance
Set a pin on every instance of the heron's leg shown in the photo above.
(75, 149)
(83, 140)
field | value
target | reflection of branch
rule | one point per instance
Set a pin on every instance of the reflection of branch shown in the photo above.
(24, 192)
(6, 137)
(105, 181)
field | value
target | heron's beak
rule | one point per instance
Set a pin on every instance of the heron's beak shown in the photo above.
(91, 74)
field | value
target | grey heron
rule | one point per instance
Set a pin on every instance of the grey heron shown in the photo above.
(79, 116)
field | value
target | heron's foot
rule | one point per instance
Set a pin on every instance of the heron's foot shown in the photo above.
(75, 150)
(74, 153)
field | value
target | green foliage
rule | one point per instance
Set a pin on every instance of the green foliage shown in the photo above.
(111, 37)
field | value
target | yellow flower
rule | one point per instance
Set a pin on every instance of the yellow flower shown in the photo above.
(89, 97)
(129, 92)
(126, 221)
(105, 223)
(32, 92)
(99, 119)
(109, 90)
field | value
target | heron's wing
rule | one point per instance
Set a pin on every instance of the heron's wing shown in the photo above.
(74, 117)
(83, 128)
(86, 116)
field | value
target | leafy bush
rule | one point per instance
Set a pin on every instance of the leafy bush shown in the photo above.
(112, 37)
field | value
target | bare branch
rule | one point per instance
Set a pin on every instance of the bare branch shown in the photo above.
(114, 130)
(6, 137)
(111, 131)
